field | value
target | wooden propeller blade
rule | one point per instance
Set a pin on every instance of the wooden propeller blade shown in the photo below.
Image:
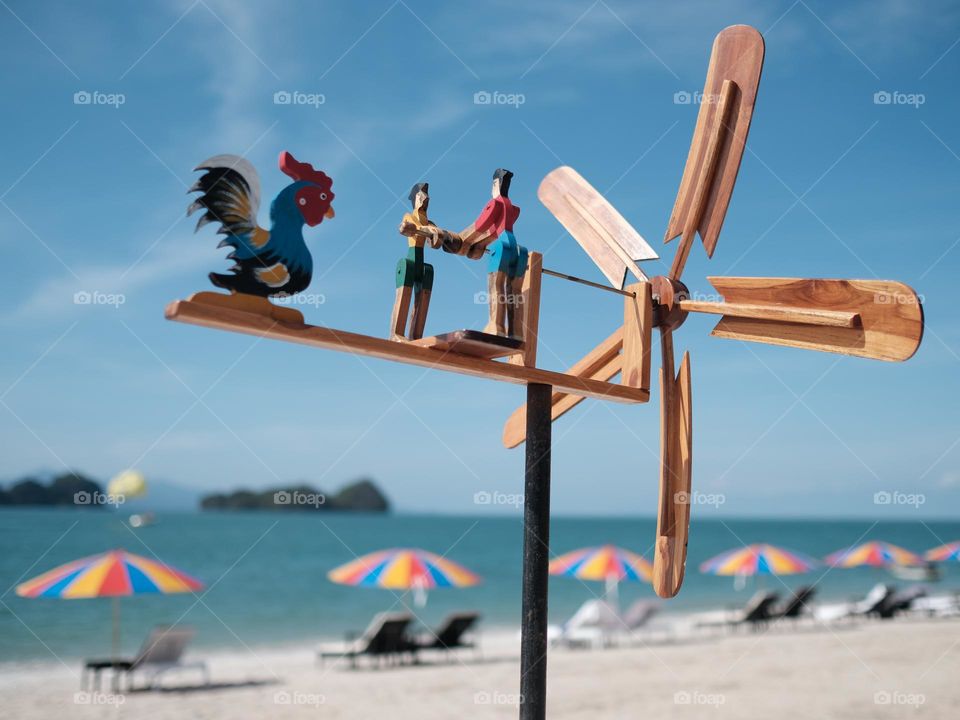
(718, 141)
(604, 361)
(609, 240)
(885, 317)
(676, 466)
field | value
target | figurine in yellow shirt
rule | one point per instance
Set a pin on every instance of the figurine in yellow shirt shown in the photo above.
(414, 276)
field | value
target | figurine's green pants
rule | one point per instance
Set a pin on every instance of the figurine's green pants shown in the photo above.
(413, 272)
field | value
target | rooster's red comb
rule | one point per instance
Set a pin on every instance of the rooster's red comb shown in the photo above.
(289, 165)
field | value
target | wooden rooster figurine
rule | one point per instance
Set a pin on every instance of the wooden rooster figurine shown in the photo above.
(269, 263)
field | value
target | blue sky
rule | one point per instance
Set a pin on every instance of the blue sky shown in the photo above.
(833, 185)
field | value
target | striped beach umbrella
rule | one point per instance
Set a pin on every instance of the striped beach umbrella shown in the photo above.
(607, 563)
(873, 554)
(758, 559)
(404, 569)
(113, 574)
(944, 553)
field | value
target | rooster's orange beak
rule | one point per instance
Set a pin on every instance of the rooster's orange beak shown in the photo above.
(329, 213)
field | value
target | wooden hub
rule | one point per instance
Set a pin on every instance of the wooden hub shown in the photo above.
(667, 295)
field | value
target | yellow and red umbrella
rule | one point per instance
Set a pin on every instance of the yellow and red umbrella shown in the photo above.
(757, 559)
(607, 563)
(944, 553)
(404, 569)
(874, 554)
(112, 574)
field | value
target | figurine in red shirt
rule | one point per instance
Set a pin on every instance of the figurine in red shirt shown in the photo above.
(508, 259)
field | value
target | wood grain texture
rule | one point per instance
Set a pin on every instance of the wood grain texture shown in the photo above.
(532, 282)
(737, 56)
(609, 240)
(251, 304)
(226, 318)
(708, 170)
(637, 336)
(806, 316)
(890, 314)
(473, 343)
(602, 364)
(676, 469)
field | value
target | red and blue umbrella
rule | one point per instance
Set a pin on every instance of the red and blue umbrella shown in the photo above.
(875, 553)
(112, 574)
(404, 569)
(758, 559)
(944, 553)
(607, 563)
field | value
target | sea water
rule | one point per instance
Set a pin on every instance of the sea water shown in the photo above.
(266, 581)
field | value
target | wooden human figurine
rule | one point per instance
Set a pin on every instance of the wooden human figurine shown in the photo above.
(414, 276)
(508, 259)
(268, 263)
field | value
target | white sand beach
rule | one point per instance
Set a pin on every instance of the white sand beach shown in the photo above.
(874, 669)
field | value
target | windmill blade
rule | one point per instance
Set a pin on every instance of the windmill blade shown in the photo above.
(878, 319)
(718, 141)
(676, 466)
(609, 240)
(602, 363)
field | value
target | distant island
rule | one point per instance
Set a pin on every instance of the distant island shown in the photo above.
(65, 489)
(73, 489)
(359, 496)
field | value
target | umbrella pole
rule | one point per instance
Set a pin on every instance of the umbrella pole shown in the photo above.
(115, 644)
(536, 554)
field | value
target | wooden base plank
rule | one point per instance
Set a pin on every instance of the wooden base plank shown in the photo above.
(205, 314)
(474, 343)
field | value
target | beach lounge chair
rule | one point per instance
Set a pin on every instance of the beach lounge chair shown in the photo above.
(757, 612)
(900, 601)
(937, 606)
(868, 606)
(161, 652)
(385, 639)
(874, 601)
(452, 633)
(796, 606)
(593, 625)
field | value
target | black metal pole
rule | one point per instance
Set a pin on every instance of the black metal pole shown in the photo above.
(536, 555)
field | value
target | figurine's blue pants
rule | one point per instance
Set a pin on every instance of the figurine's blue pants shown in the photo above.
(508, 256)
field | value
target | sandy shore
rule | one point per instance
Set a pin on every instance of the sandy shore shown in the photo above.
(904, 668)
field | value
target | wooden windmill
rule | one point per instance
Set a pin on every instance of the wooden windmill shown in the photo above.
(870, 318)
(874, 319)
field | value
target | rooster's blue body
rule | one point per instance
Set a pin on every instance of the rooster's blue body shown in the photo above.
(274, 262)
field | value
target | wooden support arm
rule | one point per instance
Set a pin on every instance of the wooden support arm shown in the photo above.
(805, 316)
